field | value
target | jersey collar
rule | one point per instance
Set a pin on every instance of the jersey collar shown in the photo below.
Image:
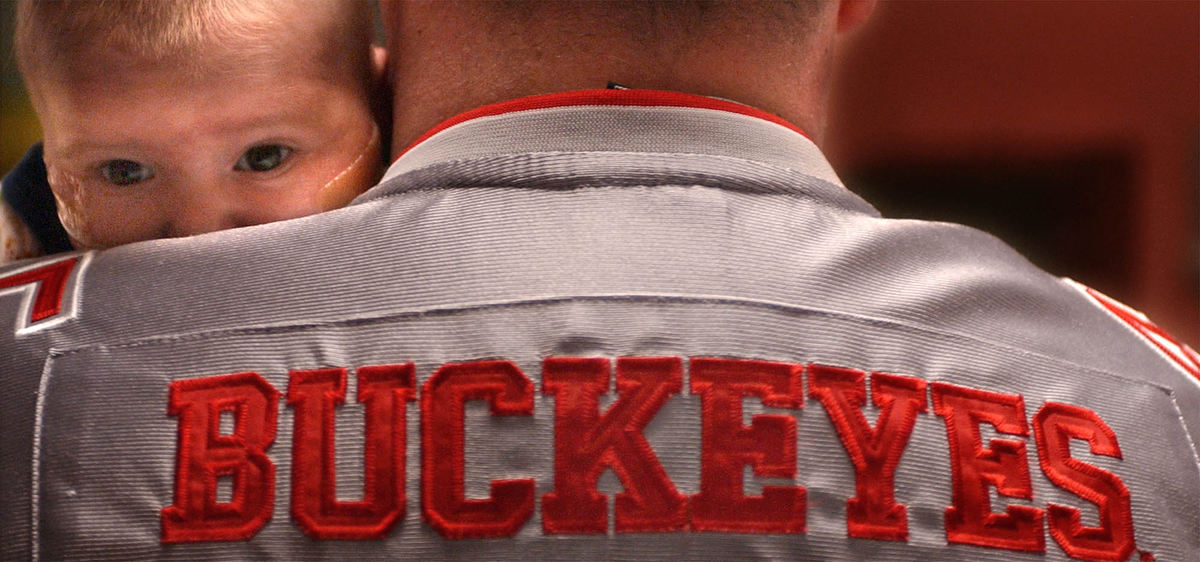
(606, 97)
(623, 123)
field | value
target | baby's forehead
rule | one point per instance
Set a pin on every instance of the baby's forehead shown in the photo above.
(177, 44)
(222, 66)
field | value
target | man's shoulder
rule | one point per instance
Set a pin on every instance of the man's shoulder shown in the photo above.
(685, 290)
(960, 280)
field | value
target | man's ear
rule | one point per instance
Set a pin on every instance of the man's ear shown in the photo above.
(381, 93)
(852, 13)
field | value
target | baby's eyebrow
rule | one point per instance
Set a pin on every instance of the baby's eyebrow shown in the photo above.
(84, 148)
(270, 122)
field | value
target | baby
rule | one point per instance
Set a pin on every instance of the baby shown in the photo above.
(165, 118)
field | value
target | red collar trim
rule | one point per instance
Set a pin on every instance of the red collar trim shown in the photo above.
(643, 98)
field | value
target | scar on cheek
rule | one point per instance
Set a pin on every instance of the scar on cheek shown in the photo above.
(70, 198)
(351, 182)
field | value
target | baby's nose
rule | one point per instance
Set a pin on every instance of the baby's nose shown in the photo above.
(202, 210)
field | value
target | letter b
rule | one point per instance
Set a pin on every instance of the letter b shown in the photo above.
(205, 455)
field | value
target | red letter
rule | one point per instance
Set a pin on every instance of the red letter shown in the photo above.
(768, 445)
(875, 452)
(205, 455)
(510, 393)
(383, 389)
(1054, 426)
(51, 283)
(1003, 464)
(585, 444)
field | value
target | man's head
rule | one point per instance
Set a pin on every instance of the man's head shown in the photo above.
(176, 118)
(450, 57)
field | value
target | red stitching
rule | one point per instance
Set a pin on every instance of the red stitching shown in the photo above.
(1054, 426)
(443, 505)
(586, 443)
(204, 455)
(874, 451)
(970, 519)
(768, 445)
(315, 394)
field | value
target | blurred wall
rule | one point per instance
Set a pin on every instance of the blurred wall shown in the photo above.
(18, 126)
(1077, 124)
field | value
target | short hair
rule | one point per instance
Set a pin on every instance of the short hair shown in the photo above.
(59, 35)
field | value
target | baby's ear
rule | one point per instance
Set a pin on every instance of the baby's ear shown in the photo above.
(381, 93)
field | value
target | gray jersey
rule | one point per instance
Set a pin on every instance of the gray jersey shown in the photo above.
(595, 325)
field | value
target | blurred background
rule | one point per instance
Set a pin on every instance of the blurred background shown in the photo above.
(1069, 129)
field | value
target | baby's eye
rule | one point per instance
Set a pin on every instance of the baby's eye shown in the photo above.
(125, 172)
(262, 158)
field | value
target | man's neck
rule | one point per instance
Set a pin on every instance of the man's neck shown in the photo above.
(445, 63)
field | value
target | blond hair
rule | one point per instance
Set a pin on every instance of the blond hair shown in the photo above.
(61, 37)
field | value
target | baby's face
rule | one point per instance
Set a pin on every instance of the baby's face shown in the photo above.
(137, 154)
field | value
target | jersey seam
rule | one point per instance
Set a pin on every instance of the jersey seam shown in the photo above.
(460, 308)
(1080, 289)
(35, 462)
(797, 191)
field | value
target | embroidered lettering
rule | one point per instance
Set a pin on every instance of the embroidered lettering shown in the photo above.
(383, 390)
(224, 480)
(587, 443)
(1054, 426)
(768, 445)
(874, 451)
(509, 393)
(206, 455)
(973, 468)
